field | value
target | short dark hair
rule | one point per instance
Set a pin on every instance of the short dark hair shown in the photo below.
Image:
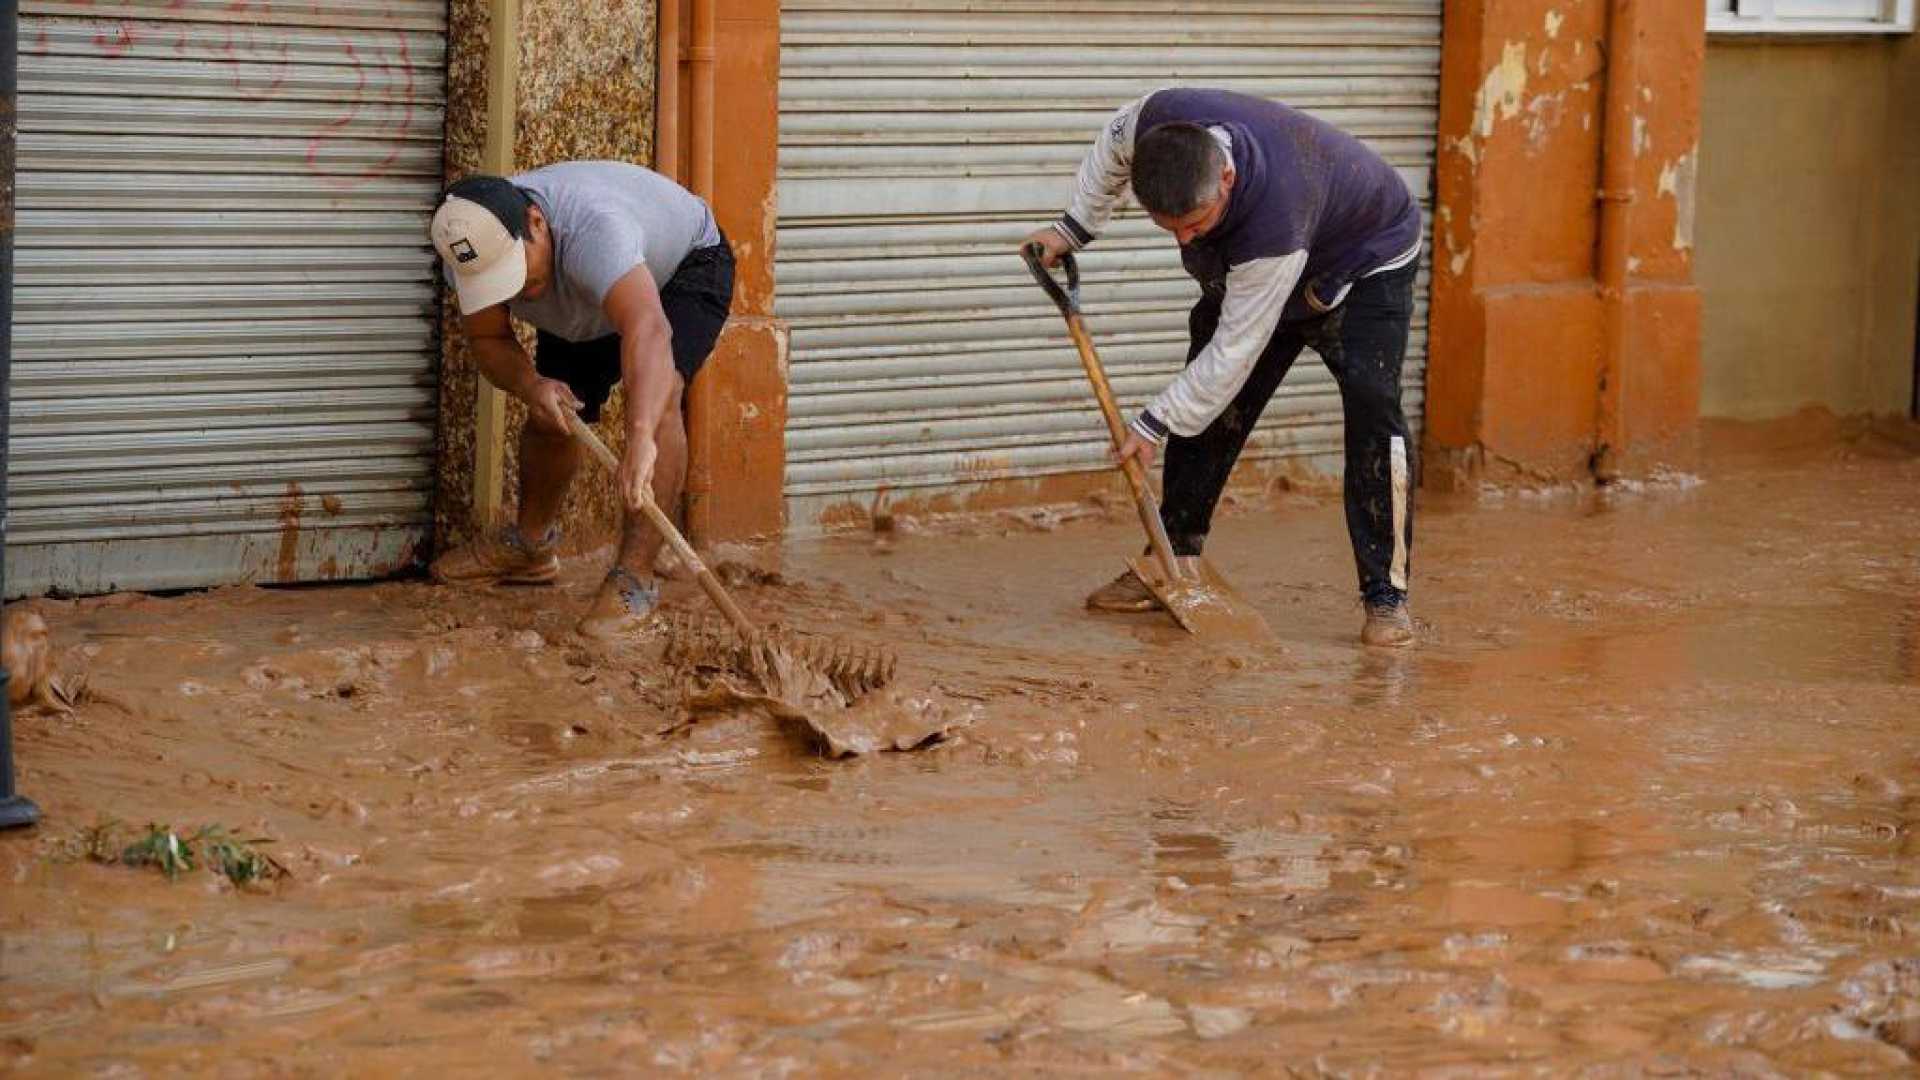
(505, 199)
(1175, 167)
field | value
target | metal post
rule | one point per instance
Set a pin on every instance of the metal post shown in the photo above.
(496, 157)
(15, 810)
(1613, 271)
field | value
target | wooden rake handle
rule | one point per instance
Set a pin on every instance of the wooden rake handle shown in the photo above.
(1067, 299)
(708, 582)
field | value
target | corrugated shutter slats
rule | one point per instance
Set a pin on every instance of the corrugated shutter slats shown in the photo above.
(920, 139)
(224, 335)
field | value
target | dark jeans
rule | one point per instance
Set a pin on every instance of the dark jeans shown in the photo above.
(695, 301)
(1363, 342)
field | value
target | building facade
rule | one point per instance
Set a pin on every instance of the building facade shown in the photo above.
(233, 362)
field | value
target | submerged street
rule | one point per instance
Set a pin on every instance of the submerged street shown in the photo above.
(1644, 797)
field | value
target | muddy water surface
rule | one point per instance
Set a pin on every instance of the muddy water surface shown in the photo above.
(1644, 800)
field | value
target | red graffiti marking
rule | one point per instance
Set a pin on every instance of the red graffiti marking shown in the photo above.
(232, 55)
(118, 44)
(385, 165)
(352, 114)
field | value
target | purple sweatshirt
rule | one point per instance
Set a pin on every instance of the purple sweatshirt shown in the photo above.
(1312, 210)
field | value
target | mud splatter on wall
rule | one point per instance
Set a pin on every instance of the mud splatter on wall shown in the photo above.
(586, 90)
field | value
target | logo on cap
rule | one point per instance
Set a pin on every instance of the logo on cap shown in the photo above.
(463, 250)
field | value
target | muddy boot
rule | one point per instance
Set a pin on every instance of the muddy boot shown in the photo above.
(503, 558)
(1126, 594)
(621, 606)
(1389, 623)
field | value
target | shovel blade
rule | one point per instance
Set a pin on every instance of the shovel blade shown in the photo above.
(1203, 603)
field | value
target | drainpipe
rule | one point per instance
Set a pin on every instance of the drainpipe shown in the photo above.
(666, 118)
(496, 157)
(15, 810)
(700, 59)
(700, 404)
(1619, 125)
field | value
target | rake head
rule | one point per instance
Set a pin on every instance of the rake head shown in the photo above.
(783, 662)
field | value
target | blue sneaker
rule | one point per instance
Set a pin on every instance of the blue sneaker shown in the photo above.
(621, 606)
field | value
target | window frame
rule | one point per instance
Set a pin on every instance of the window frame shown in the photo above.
(1746, 17)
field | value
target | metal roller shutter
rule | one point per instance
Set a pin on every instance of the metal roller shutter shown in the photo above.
(920, 139)
(225, 336)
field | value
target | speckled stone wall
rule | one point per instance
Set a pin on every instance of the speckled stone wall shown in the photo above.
(586, 91)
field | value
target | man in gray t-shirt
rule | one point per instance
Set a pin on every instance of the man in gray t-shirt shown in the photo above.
(625, 277)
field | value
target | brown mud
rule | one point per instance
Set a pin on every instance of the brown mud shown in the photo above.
(1644, 800)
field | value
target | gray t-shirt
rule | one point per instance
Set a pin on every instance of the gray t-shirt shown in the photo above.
(607, 217)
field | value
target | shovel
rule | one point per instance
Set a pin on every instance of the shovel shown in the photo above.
(1199, 599)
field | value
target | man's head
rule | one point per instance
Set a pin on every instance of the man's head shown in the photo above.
(1182, 178)
(497, 241)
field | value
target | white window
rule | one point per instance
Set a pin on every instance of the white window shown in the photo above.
(1809, 16)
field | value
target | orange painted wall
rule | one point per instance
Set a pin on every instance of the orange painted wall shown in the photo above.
(738, 409)
(1518, 342)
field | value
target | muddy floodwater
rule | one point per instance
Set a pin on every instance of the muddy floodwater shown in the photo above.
(1645, 800)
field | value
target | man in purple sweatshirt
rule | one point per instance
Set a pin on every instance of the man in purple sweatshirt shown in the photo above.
(1299, 235)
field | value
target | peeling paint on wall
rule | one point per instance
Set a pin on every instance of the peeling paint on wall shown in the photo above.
(1678, 181)
(1519, 328)
(1502, 90)
(1544, 114)
(1466, 148)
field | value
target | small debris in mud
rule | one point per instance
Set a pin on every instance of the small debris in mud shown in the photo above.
(736, 575)
(27, 648)
(881, 517)
(36, 684)
(176, 852)
(1046, 519)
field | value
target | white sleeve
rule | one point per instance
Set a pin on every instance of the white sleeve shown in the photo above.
(1257, 293)
(1104, 176)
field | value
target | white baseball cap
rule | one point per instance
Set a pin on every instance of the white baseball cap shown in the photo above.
(489, 263)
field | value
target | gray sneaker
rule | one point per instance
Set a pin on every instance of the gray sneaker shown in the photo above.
(502, 557)
(1389, 625)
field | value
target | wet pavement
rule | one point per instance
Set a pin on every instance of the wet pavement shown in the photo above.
(1644, 801)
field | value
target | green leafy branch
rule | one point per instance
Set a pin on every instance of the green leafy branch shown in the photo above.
(174, 853)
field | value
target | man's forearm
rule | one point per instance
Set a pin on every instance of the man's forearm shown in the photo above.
(506, 365)
(646, 366)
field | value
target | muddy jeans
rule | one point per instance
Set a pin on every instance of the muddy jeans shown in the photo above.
(1363, 342)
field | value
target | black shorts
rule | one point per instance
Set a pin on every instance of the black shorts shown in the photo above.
(695, 300)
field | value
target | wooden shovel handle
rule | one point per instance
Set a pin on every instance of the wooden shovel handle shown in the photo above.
(708, 582)
(1143, 500)
(1068, 301)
